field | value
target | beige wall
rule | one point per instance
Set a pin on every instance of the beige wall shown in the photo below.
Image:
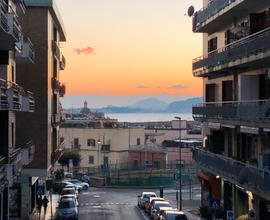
(119, 139)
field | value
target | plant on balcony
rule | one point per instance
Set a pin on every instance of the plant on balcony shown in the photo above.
(71, 155)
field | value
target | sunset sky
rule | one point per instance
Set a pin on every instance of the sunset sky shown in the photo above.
(129, 47)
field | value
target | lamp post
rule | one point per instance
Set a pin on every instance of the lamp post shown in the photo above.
(99, 143)
(180, 165)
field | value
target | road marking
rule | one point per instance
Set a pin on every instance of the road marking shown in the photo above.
(103, 204)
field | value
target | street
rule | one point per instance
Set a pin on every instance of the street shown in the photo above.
(118, 204)
(109, 204)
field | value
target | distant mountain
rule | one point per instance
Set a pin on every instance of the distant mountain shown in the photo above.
(183, 106)
(151, 104)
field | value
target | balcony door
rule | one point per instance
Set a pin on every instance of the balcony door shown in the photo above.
(210, 92)
(264, 87)
(227, 91)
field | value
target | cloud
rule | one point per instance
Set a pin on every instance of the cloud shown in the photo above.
(178, 87)
(142, 87)
(85, 51)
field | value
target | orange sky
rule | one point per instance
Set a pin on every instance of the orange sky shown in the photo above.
(131, 47)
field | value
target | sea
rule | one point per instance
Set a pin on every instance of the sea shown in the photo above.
(148, 117)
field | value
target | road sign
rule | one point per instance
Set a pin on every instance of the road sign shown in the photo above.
(251, 215)
(230, 215)
(40, 190)
(215, 203)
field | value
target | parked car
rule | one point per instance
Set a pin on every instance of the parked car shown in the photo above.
(143, 197)
(150, 202)
(161, 210)
(69, 191)
(78, 183)
(157, 205)
(74, 197)
(173, 215)
(72, 187)
(67, 209)
(78, 186)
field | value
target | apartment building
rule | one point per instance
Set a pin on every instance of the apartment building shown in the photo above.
(235, 69)
(43, 24)
(101, 146)
(15, 48)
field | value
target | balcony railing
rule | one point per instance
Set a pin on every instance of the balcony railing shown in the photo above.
(26, 54)
(212, 9)
(3, 15)
(28, 150)
(232, 56)
(15, 159)
(56, 85)
(3, 161)
(57, 153)
(238, 112)
(56, 50)
(14, 28)
(62, 62)
(242, 174)
(3, 96)
(57, 119)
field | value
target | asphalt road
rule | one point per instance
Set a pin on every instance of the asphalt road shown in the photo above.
(109, 204)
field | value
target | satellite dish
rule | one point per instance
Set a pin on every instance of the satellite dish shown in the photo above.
(191, 11)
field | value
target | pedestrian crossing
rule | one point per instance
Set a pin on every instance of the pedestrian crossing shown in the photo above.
(107, 204)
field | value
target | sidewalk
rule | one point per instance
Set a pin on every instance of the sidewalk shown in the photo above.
(47, 216)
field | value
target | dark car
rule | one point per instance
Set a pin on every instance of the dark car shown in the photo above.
(67, 210)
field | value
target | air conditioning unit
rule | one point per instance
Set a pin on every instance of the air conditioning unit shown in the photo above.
(267, 73)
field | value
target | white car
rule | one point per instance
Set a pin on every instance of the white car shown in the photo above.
(143, 197)
(171, 215)
(71, 196)
(69, 191)
(78, 186)
(157, 205)
(78, 182)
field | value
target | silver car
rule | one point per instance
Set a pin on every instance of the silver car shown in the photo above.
(67, 210)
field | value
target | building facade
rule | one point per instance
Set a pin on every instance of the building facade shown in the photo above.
(15, 48)
(114, 146)
(235, 69)
(43, 24)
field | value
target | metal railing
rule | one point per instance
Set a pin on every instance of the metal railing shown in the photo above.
(212, 9)
(241, 173)
(252, 44)
(3, 15)
(62, 62)
(252, 110)
(56, 49)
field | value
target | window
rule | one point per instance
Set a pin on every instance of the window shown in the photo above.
(12, 73)
(91, 142)
(76, 143)
(212, 44)
(91, 160)
(156, 164)
(138, 141)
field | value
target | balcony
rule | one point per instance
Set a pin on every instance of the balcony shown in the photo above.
(14, 166)
(105, 148)
(56, 50)
(57, 153)
(56, 85)
(247, 113)
(26, 53)
(62, 90)
(28, 150)
(57, 119)
(3, 96)
(249, 177)
(246, 54)
(10, 29)
(224, 12)
(3, 161)
(62, 62)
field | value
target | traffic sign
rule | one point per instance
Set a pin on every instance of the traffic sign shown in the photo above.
(230, 215)
(40, 190)
(215, 203)
(176, 176)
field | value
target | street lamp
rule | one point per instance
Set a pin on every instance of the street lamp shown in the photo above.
(99, 143)
(180, 165)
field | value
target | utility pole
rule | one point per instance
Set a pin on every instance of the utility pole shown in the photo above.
(180, 165)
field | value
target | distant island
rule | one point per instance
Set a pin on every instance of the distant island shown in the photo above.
(150, 105)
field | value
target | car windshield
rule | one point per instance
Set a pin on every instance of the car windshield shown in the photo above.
(175, 216)
(158, 205)
(149, 195)
(66, 204)
(68, 191)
